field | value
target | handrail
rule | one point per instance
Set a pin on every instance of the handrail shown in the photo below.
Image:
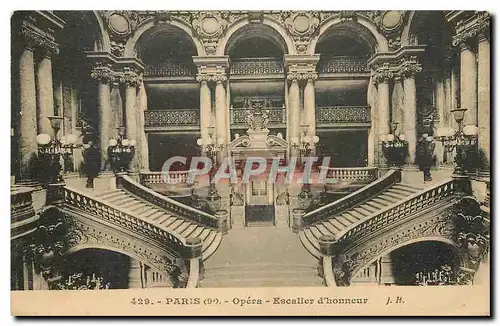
(123, 218)
(397, 211)
(352, 199)
(369, 173)
(161, 177)
(168, 204)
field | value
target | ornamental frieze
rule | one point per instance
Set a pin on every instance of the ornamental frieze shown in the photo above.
(480, 26)
(302, 76)
(36, 40)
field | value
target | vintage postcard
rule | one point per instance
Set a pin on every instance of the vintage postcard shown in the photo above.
(250, 162)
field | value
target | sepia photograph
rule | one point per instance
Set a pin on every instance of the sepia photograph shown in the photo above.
(246, 159)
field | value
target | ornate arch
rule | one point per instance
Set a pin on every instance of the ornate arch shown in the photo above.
(378, 41)
(105, 44)
(240, 23)
(130, 46)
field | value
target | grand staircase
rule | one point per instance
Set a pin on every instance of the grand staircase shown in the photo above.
(339, 222)
(164, 219)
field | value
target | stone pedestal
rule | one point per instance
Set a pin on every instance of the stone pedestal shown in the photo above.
(135, 274)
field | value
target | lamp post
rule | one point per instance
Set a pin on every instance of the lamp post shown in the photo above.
(50, 150)
(120, 151)
(394, 147)
(462, 140)
(212, 147)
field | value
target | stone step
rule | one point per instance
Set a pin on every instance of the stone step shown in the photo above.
(307, 244)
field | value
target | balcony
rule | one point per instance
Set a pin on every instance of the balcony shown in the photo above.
(343, 115)
(343, 64)
(277, 117)
(170, 69)
(256, 66)
(185, 119)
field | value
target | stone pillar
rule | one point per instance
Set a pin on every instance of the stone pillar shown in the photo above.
(45, 91)
(410, 67)
(440, 108)
(398, 104)
(310, 105)
(483, 110)
(373, 134)
(28, 121)
(294, 109)
(468, 84)
(205, 106)
(104, 75)
(383, 113)
(220, 108)
(135, 274)
(131, 81)
(386, 274)
(144, 145)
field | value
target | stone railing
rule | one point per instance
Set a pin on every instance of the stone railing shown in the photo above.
(170, 69)
(342, 64)
(158, 177)
(171, 117)
(277, 115)
(256, 66)
(395, 213)
(120, 217)
(343, 114)
(361, 174)
(170, 205)
(21, 203)
(353, 199)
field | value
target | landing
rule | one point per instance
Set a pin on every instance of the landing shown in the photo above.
(260, 245)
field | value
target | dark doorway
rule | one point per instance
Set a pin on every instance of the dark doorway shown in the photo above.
(259, 215)
(345, 148)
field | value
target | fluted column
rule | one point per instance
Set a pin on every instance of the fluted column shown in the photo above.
(131, 81)
(104, 75)
(483, 110)
(468, 83)
(135, 274)
(310, 103)
(409, 68)
(294, 103)
(381, 77)
(205, 106)
(220, 108)
(45, 91)
(28, 121)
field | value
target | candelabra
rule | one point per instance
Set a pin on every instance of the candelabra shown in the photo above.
(394, 147)
(120, 151)
(304, 144)
(212, 147)
(462, 140)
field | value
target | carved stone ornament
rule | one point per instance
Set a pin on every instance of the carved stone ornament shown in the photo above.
(391, 23)
(302, 26)
(382, 73)
(480, 27)
(103, 73)
(209, 27)
(211, 78)
(35, 40)
(130, 77)
(410, 66)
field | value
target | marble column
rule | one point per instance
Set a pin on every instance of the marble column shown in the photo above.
(144, 145)
(205, 107)
(483, 110)
(373, 133)
(28, 120)
(294, 110)
(440, 108)
(130, 118)
(45, 91)
(383, 114)
(310, 106)
(410, 116)
(397, 99)
(220, 108)
(135, 274)
(468, 84)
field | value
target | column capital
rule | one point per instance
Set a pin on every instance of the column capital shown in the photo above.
(382, 73)
(474, 27)
(211, 78)
(302, 76)
(103, 73)
(409, 67)
(130, 77)
(34, 40)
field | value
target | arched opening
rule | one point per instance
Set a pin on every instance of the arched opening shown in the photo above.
(173, 95)
(423, 263)
(341, 91)
(256, 50)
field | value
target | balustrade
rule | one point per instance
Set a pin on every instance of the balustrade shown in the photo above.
(343, 114)
(352, 199)
(21, 204)
(396, 212)
(362, 174)
(256, 66)
(170, 177)
(342, 64)
(170, 69)
(120, 217)
(179, 209)
(276, 115)
(168, 117)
